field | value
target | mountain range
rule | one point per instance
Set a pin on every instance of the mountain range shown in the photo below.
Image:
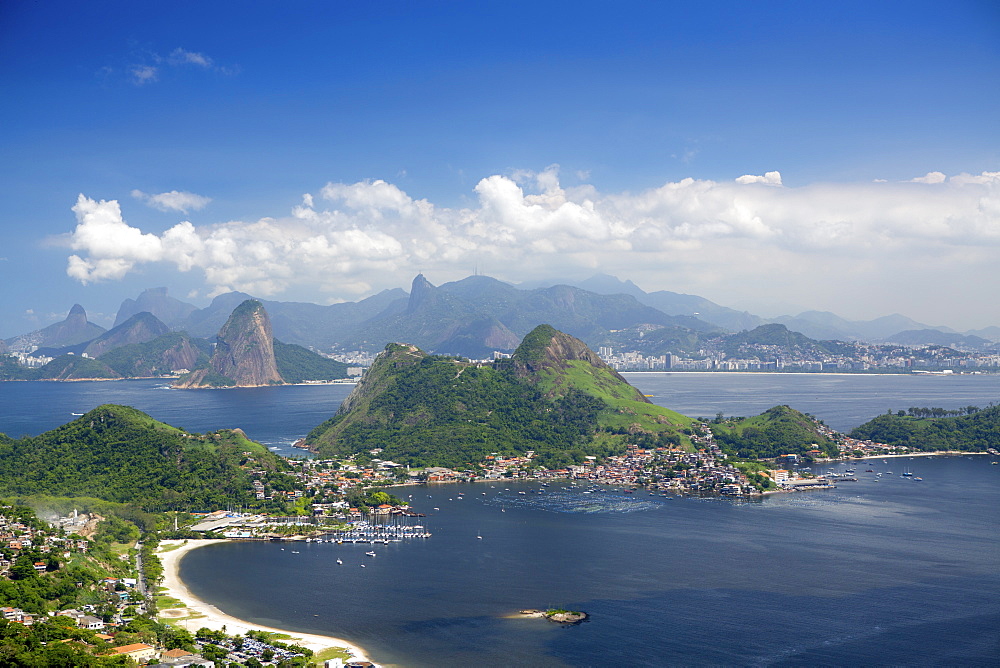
(243, 353)
(478, 315)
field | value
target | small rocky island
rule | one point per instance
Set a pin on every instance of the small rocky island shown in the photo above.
(557, 615)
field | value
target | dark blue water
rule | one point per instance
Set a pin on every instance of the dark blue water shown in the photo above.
(889, 572)
(278, 416)
(873, 573)
(843, 401)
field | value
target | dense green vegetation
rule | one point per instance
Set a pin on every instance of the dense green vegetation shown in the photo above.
(531, 352)
(11, 369)
(428, 410)
(75, 366)
(154, 358)
(442, 412)
(297, 364)
(971, 432)
(53, 643)
(780, 336)
(120, 454)
(777, 431)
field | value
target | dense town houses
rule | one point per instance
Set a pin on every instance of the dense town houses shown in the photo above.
(759, 357)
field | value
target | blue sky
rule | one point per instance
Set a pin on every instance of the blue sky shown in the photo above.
(774, 156)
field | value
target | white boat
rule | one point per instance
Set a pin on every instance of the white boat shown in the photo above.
(370, 554)
(340, 561)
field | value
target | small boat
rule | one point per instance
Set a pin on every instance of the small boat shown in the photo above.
(340, 561)
(370, 554)
(479, 537)
(362, 565)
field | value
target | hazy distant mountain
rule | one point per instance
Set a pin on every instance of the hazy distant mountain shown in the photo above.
(990, 333)
(205, 323)
(73, 330)
(923, 337)
(671, 303)
(826, 325)
(819, 325)
(305, 324)
(156, 301)
(139, 328)
(479, 314)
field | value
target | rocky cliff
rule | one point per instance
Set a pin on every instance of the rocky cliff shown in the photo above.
(244, 352)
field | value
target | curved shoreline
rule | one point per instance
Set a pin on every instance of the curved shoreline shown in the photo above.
(211, 617)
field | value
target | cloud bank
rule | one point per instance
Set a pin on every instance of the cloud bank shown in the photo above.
(751, 233)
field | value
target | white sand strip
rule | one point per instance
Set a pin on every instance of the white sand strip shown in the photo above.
(213, 618)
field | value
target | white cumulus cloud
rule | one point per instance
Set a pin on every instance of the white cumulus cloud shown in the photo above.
(770, 179)
(930, 177)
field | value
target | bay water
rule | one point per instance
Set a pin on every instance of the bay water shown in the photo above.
(884, 571)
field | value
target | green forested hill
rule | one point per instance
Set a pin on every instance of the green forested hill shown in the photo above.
(120, 454)
(297, 364)
(975, 432)
(777, 431)
(431, 410)
(161, 356)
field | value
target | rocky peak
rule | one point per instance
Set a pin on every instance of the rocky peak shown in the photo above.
(244, 351)
(422, 292)
(245, 348)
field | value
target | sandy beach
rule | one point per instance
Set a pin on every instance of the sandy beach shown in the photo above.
(198, 613)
